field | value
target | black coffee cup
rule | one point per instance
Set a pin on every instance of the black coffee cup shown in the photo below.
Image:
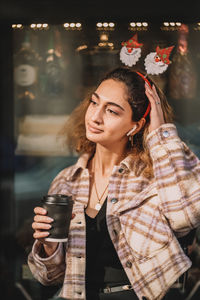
(59, 207)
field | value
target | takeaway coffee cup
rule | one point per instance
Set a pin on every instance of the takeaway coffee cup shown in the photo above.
(59, 207)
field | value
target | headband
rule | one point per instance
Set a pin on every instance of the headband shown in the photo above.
(149, 105)
(155, 62)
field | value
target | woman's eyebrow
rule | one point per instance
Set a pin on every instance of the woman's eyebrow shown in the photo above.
(109, 102)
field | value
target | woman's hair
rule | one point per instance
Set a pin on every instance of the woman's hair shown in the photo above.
(74, 129)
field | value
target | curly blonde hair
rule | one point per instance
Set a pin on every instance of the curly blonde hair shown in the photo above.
(75, 132)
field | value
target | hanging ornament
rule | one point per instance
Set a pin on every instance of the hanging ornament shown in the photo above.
(131, 51)
(158, 62)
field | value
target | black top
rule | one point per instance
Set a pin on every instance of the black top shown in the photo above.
(103, 267)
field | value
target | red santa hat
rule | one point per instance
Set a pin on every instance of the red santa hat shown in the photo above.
(164, 54)
(132, 43)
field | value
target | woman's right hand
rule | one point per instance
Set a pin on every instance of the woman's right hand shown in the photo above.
(41, 225)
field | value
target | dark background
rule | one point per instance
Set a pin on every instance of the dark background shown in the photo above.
(55, 12)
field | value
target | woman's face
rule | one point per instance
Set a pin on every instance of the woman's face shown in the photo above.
(109, 115)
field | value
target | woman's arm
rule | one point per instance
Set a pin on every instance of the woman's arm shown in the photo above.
(177, 174)
(47, 269)
(47, 259)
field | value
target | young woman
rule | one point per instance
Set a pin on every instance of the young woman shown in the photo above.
(136, 189)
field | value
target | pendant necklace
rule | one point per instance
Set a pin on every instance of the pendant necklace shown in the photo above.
(98, 205)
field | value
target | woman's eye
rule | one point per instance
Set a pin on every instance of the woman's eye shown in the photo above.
(112, 111)
(93, 102)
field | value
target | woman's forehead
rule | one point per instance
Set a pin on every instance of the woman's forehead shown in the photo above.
(111, 90)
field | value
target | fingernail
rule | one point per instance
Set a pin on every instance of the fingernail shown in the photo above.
(49, 226)
(50, 219)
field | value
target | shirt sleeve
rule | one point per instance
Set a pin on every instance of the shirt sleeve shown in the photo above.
(177, 174)
(50, 270)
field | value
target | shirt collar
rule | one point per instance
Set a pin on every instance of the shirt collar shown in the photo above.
(127, 163)
(80, 164)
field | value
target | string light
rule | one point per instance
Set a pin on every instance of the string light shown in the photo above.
(82, 47)
(167, 26)
(197, 26)
(111, 24)
(78, 25)
(134, 26)
(105, 26)
(72, 26)
(17, 26)
(104, 37)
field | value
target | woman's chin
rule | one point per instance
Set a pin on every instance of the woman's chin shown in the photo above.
(92, 137)
(96, 139)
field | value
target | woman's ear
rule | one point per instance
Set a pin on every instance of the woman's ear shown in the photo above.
(137, 127)
(140, 124)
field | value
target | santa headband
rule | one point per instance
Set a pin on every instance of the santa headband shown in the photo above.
(131, 52)
(155, 62)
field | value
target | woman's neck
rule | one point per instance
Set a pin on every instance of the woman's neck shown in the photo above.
(104, 159)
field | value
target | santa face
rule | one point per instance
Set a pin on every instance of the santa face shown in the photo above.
(129, 56)
(154, 65)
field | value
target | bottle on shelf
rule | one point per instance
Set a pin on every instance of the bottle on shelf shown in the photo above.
(183, 77)
(53, 70)
(26, 70)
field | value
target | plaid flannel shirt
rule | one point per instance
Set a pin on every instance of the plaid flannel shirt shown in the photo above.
(144, 219)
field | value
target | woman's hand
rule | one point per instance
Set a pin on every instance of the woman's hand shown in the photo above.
(156, 113)
(41, 225)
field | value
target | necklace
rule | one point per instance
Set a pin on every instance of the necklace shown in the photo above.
(98, 205)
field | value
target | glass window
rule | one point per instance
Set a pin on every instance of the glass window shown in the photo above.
(55, 66)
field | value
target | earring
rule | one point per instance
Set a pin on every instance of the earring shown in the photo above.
(131, 140)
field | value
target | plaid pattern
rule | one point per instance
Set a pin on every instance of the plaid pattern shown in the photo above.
(143, 221)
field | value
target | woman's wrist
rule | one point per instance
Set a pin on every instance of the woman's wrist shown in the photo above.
(49, 250)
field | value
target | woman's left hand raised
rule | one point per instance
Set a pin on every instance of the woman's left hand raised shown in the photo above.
(156, 112)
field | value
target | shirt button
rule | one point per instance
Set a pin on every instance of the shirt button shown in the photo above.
(121, 170)
(165, 133)
(129, 264)
(114, 200)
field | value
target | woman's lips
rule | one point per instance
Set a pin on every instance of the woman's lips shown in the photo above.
(94, 129)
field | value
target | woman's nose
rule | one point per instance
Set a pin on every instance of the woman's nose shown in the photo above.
(97, 116)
